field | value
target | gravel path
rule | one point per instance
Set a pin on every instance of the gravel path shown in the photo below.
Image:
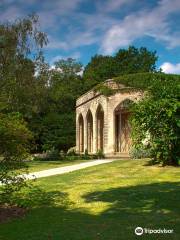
(66, 169)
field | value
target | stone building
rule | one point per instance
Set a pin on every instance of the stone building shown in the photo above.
(102, 121)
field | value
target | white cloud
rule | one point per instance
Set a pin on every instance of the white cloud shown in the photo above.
(168, 67)
(152, 23)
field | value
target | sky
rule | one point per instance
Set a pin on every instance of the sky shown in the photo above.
(82, 28)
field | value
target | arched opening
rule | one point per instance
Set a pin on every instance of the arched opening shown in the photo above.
(122, 127)
(100, 128)
(81, 133)
(89, 132)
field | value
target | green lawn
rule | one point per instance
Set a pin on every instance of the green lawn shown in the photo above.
(35, 166)
(104, 202)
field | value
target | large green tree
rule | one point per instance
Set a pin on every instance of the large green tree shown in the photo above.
(56, 125)
(125, 61)
(20, 59)
(99, 69)
(20, 56)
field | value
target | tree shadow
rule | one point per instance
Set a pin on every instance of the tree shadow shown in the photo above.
(149, 198)
(152, 205)
(35, 197)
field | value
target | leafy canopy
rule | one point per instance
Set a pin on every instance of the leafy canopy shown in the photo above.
(125, 61)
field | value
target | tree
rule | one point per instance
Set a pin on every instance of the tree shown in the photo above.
(20, 57)
(125, 61)
(56, 126)
(134, 60)
(155, 120)
(99, 69)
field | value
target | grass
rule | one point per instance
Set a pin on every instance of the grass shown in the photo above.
(35, 166)
(104, 202)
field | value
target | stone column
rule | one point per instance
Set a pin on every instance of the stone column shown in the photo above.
(77, 136)
(91, 137)
(94, 134)
(110, 131)
(98, 133)
(88, 136)
(85, 134)
(105, 133)
(80, 137)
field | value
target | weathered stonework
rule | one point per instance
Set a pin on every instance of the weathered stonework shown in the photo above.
(102, 121)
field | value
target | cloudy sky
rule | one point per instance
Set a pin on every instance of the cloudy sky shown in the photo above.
(82, 28)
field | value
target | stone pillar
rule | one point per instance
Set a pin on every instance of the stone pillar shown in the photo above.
(80, 137)
(77, 136)
(88, 136)
(85, 134)
(105, 133)
(110, 131)
(98, 133)
(94, 134)
(91, 137)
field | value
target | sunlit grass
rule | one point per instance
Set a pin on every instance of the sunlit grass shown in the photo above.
(35, 166)
(101, 202)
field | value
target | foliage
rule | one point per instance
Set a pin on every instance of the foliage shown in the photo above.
(104, 90)
(20, 55)
(100, 154)
(125, 61)
(58, 131)
(141, 152)
(134, 60)
(142, 81)
(68, 67)
(14, 147)
(138, 82)
(99, 69)
(157, 115)
(20, 97)
(56, 125)
(71, 151)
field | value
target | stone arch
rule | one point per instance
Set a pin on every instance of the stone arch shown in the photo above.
(122, 127)
(100, 127)
(81, 133)
(89, 119)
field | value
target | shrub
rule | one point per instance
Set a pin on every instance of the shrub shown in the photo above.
(71, 151)
(99, 154)
(158, 114)
(138, 153)
(14, 150)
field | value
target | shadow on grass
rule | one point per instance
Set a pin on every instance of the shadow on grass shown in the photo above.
(156, 198)
(35, 197)
(152, 206)
(152, 162)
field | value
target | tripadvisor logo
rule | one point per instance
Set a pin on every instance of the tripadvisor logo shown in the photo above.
(139, 231)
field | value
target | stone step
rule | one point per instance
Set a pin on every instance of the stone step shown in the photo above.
(117, 156)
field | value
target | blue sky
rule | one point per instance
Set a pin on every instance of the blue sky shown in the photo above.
(82, 28)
